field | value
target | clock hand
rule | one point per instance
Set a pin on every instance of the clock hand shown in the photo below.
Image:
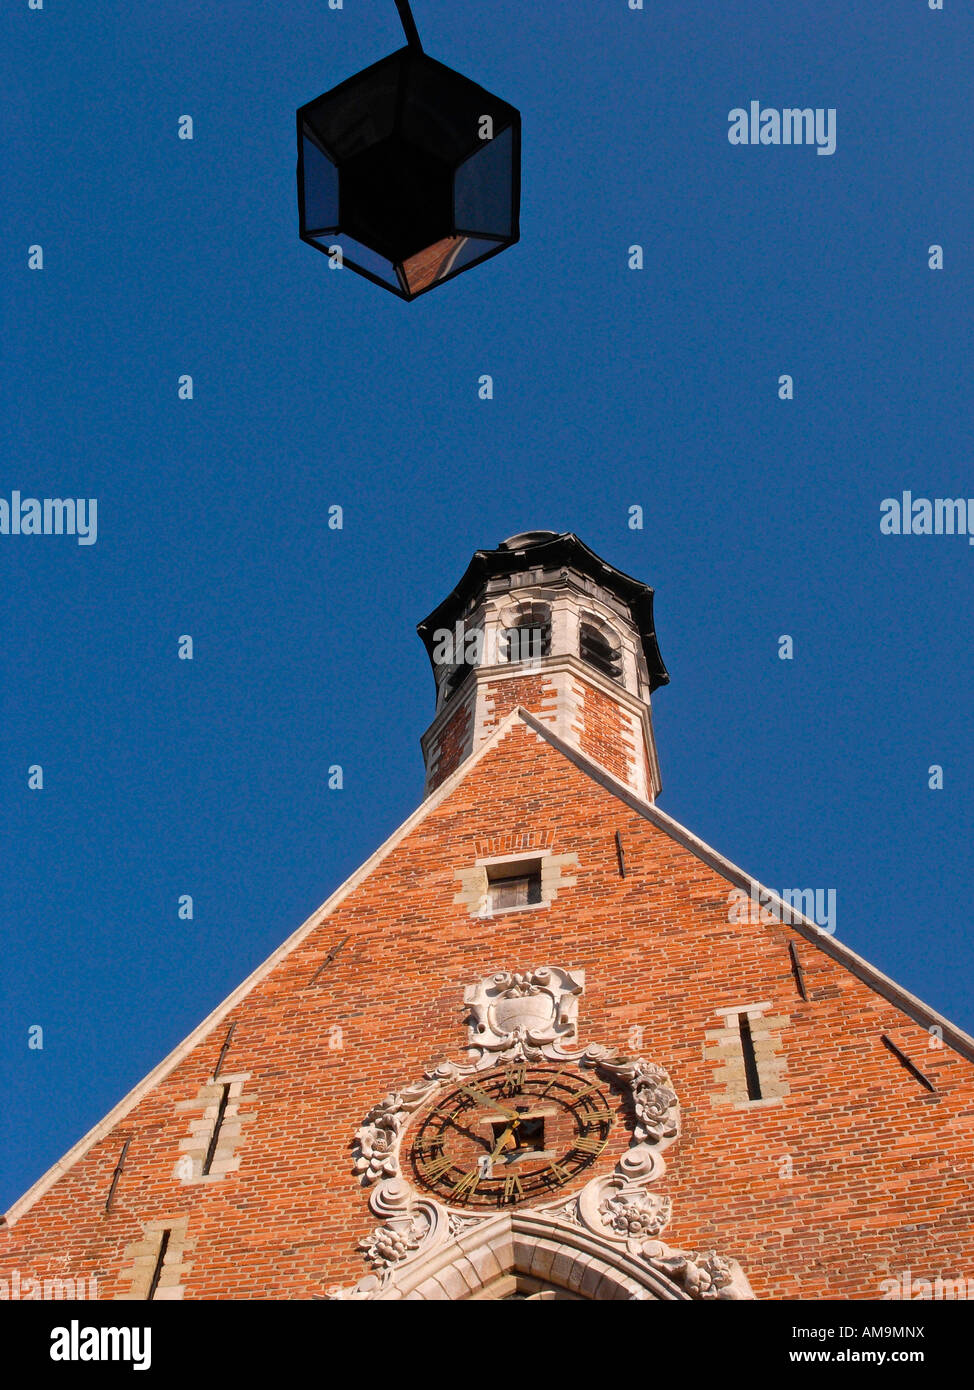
(477, 1094)
(471, 1133)
(502, 1141)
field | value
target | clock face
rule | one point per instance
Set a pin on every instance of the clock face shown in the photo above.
(510, 1135)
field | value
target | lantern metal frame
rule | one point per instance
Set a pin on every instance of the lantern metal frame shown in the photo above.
(495, 242)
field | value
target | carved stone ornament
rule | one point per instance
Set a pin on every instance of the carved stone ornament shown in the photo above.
(702, 1276)
(508, 1012)
(530, 1017)
(634, 1214)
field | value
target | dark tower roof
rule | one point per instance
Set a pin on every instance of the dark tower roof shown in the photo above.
(550, 550)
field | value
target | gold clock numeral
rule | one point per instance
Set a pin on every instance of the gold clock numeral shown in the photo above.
(424, 1147)
(590, 1144)
(481, 1097)
(586, 1091)
(597, 1121)
(475, 1093)
(513, 1191)
(438, 1167)
(517, 1128)
(466, 1184)
(513, 1081)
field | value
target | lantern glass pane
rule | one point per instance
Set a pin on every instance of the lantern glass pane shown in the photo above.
(443, 258)
(363, 257)
(483, 187)
(320, 189)
(470, 250)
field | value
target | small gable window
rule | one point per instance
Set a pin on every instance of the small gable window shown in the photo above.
(513, 885)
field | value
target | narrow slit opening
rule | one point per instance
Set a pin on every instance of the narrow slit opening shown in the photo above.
(216, 1129)
(750, 1060)
(160, 1261)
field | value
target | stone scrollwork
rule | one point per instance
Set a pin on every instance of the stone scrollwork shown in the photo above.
(410, 1225)
(618, 1204)
(654, 1101)
(528, 1017)
(510, 1012)
(376, 1144)
(512, 1017)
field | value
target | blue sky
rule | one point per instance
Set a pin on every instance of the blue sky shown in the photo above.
(612, 388)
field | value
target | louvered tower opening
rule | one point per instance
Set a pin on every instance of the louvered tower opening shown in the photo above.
(595, 649)
(530, 637)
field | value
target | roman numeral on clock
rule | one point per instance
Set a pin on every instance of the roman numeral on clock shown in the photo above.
(437, 1167)
(590, 1144)
(426, 1148)
(586, 1091)
(466, 1184)
(513, 1081)
(513, 1191)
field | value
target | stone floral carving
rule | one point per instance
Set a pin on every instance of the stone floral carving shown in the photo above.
(376, 1145)
(532, 1017)
(403, 1262)
(410, 1225)
(654, 1101)
(528, 1017)
(618, 1202)
(701, 1276)
(635, 1214)
(458, 1224)
(387, 1245)
(512, 1016)
(565, 1211)
(377, 1140)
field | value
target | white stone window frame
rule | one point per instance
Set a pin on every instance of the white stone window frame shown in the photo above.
(195, 1146)
(567, 609)
(513, 866)
(444, 671)
(142, 1258)
(767, 1038)
(475, 881)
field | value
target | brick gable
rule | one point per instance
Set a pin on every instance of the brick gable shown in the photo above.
(854, 1173)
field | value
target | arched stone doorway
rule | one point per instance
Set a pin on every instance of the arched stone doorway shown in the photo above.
(528, 1254)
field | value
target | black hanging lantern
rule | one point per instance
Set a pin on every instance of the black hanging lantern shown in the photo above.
(410, 169)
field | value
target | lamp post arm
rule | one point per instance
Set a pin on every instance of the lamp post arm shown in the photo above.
(409, 25)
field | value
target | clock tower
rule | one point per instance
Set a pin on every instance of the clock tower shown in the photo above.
(533, 1048)
(543, 623)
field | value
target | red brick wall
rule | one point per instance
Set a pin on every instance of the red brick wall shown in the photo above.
(453, 745)
(526, 691)
(881, 1169)
(605, 734)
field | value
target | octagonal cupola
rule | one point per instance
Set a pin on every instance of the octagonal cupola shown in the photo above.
(543, 623)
